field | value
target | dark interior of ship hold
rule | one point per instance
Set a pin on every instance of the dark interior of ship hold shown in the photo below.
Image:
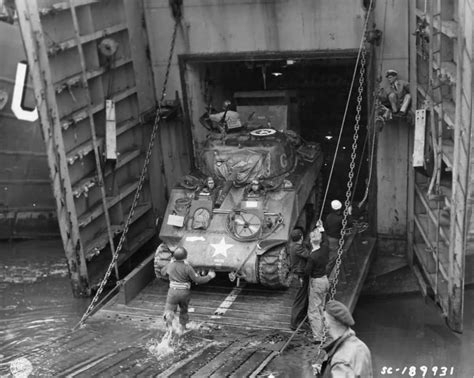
(318, 90)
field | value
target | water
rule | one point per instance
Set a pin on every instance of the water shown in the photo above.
(402, 332)
(408, 332)
(171, 340)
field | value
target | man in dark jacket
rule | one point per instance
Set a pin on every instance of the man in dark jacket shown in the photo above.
(181, 274)
(346, 355)
(299, 254)
(318, 282)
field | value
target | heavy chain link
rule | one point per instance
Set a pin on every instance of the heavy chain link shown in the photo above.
(347, 203)
(140, 184)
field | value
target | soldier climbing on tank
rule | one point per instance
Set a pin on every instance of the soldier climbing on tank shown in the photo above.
(180, 274)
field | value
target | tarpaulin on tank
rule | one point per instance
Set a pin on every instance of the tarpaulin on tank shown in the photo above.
(241, 166)
(242, 158)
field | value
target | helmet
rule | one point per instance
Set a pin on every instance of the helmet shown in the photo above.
(336, 205)
(180, 253)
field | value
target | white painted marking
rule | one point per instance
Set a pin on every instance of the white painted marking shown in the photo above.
(195, 238)
(175, 220)
(221, 248)
(251, 204)
(17, 99)
(225, 305)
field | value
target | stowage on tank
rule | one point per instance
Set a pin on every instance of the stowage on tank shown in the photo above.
(235, 215)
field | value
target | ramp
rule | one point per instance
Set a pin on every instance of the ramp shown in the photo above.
(242, 328)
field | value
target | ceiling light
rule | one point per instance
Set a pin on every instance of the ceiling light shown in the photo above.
(328, 137)
(289, 62)
(277, 74)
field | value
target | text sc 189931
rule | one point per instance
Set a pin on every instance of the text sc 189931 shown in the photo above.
(418, 371)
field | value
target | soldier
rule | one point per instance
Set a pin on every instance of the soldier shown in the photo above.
(180, 273)
(228, 119)
(299, 254)
(346, 355)
(397, 96)
(333, 227)
(318, 282)
(255, 189)
(209, 186)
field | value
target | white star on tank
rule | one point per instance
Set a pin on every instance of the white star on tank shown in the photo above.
(221, 248)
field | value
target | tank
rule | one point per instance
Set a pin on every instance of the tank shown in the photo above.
(253, 187)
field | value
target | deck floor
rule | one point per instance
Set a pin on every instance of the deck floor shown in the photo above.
(234, 330)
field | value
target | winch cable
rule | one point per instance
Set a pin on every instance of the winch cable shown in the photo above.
(374, 109)
(361, 46)
(333, 284)
(157, 120)
(360, 57)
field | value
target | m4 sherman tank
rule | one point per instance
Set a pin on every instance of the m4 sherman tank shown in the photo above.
(235, 215)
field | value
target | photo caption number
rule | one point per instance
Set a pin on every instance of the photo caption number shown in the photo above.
(424, 370)
(412, 371)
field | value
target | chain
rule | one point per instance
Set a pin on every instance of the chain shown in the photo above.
(347, 203)
(140, 184)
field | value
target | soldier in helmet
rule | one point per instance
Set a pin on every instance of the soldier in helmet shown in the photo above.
(180, 274)
(255, 189)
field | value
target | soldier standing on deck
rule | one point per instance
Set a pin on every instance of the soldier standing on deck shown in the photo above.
(346, 355)
(318, 282)
(299, 254)
(181, 273)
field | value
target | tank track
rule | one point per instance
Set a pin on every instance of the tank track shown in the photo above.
(162, 258)
(274, 268)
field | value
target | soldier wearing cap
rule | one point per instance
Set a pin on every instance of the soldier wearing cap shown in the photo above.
(396, 97)
(346, 355)
(180, 274)
(333, 227)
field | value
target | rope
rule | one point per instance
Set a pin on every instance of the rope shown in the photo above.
(333, 285)
(345, 111)
(374, 108)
